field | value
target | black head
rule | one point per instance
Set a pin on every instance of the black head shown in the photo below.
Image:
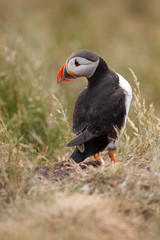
(81, 63)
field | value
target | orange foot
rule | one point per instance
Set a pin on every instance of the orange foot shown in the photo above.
(111, 155)
(96, 157)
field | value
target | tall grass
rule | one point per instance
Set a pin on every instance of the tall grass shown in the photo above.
(108, 202)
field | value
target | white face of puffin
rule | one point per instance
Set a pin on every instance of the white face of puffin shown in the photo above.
(77, 67)
(81, 67)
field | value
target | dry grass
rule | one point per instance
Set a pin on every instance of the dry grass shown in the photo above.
(108, 202)
(78, 216)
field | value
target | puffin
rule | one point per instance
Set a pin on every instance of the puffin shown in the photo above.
(101, 109)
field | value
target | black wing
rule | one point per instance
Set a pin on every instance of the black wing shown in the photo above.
(97, 112)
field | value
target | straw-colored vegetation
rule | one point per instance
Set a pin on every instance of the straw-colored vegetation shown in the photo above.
(107, 202)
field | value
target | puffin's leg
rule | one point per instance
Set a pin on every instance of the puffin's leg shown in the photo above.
(111, 155)
(96, 157)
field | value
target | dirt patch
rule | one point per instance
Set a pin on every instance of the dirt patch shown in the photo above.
(60, 170)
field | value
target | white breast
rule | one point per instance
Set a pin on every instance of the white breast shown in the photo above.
(128, 96)
(127, 90)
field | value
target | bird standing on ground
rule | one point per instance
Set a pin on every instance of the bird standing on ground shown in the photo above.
(101, 109)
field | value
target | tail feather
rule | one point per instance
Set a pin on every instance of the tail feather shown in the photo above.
(80, 139)
(78, 156)
(91, 147)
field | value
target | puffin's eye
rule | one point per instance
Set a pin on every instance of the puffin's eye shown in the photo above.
(76, 63)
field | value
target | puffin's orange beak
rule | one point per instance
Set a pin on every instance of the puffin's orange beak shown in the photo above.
(64, 75)
(60, 75)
